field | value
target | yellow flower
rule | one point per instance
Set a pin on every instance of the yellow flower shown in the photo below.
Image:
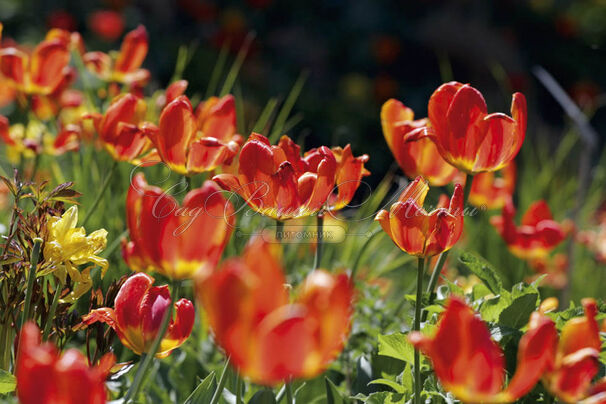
(68, 246)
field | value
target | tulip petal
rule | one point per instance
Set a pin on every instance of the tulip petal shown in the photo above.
(536, 353)
(129, 299)
(177, 128)
(465, 359)
(133, 50)
(349, 173)
(180, 328)
(175, 90)
(285, 345)
(13, 64)
(207, 153)
(217, 118)
(464, 119)
(47, 63)
(409, 227)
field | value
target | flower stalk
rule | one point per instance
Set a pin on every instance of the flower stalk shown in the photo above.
(417, 327)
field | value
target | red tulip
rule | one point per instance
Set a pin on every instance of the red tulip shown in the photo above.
(416, 154)
(39, 72)
(126, 68)
(268, 339)
(575, 363)
(467, 136)
(165, 237)
(538, 234)
(138, 312)
(107, 24)
(415, 230)
(191, 144)
(277, 182)
(470, 364)
(490, 191)
(122, 129)
(46, 377)
(348, 177)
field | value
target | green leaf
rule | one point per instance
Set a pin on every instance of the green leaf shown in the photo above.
(204, 392)
(407, 379)
(516, 315)
(389, 383)
(333, 395)
(263, 397)
(396, 346)
(483, 270)
(383, 397)
(7, 382)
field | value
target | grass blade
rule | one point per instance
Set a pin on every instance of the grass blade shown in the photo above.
(235, 67)
(288, 105)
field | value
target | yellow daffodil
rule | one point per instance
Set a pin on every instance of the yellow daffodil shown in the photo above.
(68, 246)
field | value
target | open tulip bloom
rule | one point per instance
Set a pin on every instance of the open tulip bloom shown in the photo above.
(126, 67)
(470, 364)
(574, 361)
(467, 136)
(537, 235)
(122, 129)
(268, 338)
(138, 312)
(46, 377)
(191, 143)
(39, 72)
(415, 153)
(418, 232)
(278, 182)
(165, 237)
(71, 117)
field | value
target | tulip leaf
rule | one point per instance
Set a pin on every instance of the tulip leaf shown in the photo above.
(483, 270)
(333, 395)
(408, 379)
(204, 392)
(398, 388)
(8, 382)
(382, 397)
(516, 315)
(396, 346)
(263, 397)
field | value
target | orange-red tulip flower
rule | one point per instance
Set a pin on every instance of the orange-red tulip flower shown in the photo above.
(138, 312)
(348, 177)
(415, 230)
(268, 339)
(416, 154)
(467, 136)
(108, 24)
(490, 191)
(277, 182)
(46, 377)
(39, 72)
(470, 364)
(126, 68)
(122, 129)
(538, 234)
(191, 144)
(575, 362)
(165, 237)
